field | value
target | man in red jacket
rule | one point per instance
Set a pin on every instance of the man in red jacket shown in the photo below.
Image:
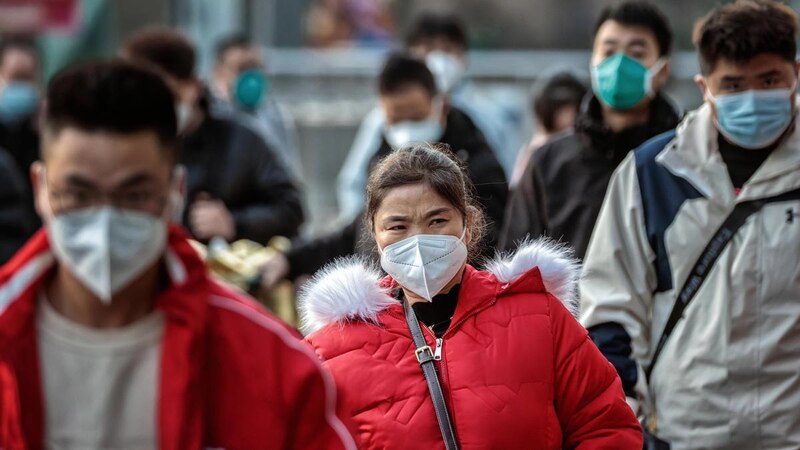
(111, 333)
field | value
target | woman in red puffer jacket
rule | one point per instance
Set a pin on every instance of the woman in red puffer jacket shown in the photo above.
(516, 369)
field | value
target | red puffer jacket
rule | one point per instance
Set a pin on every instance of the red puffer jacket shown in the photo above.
(231, 376)
(517, 369)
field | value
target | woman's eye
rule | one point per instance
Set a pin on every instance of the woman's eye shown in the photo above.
(397, 228)
(438, 221)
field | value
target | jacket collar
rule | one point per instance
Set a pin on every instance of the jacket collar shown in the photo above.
(352, 289)
(179, 411)
(694, 155)
(591, 128)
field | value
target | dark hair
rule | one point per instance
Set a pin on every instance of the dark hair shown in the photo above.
(233, 41)
(166, 50)
(561, 90)
(435, 166)
(112, 95)
(642, 14)
(402, 70)
(22, 42)
(743, 30)
(430, 26)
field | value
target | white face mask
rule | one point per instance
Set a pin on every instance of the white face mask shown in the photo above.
(107, 248)
(448, 70)
(425, 263)
(183, 112)
(429, 130)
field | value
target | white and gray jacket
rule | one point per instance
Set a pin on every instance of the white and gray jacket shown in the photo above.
(729, 375)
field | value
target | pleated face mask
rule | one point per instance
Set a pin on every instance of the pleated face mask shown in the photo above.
(425, 263)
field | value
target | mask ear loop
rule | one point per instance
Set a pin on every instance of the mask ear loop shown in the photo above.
(651, 73)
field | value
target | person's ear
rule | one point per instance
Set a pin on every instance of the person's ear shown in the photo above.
(41, 200)
(177, 195)
(700, 81)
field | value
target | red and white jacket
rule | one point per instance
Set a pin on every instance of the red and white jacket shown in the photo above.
(518, 371)
(231, 377)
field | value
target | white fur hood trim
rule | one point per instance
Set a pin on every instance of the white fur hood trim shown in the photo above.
(349, 289)
(556, 262)
(346, 289)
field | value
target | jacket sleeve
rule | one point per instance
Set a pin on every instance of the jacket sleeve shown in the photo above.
(491, 189)
(525, 214)
(308, 257)
(351, 182)
(16, 221)
(317, 417)
(589, 400)
(618, 280)
(275, 208)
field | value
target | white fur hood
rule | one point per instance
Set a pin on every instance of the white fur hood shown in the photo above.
(349, 289)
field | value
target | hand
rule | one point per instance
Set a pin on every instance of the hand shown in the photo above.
(274, 271)
(209, 218)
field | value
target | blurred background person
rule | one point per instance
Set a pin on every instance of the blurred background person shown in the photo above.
(337, 23)
(415, 113)
(440, 41)
(240, 84)
(562, 188)
(20, 68)
(237, 188)
(555, 104)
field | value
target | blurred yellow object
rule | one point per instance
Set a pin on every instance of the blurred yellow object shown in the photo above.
(239, 264)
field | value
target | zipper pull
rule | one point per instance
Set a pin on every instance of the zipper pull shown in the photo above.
(437, 354)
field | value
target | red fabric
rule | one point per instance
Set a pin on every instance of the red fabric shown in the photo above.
(231, 375)
(518, 371)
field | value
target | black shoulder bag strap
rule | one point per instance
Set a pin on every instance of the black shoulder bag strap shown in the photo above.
(424, 355)
(706, 261)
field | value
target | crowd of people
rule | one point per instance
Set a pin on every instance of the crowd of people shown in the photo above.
(628, 278)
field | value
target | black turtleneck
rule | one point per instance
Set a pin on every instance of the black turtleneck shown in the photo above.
(742, 162)
(438, 314)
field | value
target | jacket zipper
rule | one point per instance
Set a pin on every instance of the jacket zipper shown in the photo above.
(437, 354)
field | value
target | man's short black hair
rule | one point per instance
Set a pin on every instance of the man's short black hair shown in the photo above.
(641, 14)
(164, 49)
(113, 96)
(742, 30)
(402, 70)
(561, 90)
(430, 26)
(22, 42)
(233, 41)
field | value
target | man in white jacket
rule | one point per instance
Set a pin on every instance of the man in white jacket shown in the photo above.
(696, 254)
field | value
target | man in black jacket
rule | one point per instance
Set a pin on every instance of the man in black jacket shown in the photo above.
(414, 112)
(562, 189)
(236, 186)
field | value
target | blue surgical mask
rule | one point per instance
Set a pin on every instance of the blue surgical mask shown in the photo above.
(18, 100)
(754, 119)
(622, 82)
